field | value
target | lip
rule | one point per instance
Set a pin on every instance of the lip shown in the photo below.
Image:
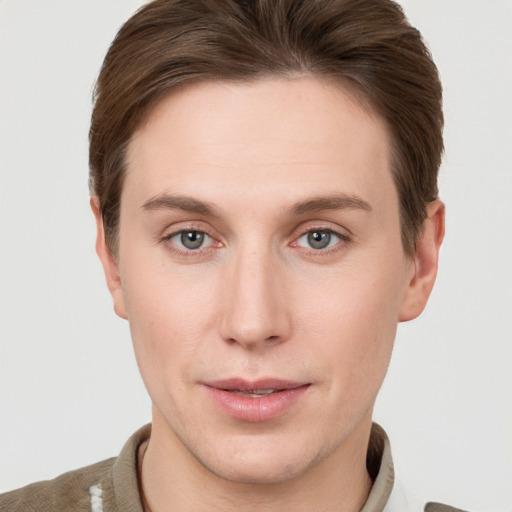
(255, 409)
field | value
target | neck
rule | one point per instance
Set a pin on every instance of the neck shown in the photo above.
(172, 479)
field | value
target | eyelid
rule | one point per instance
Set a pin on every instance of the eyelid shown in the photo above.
(306, 227)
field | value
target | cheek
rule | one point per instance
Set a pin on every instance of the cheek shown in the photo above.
(170, 316)
(353, 321)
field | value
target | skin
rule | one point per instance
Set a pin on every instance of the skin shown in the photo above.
(256, 300)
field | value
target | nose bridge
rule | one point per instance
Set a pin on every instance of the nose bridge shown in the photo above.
(254, 310)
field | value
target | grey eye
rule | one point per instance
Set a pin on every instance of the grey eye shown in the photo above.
(319, 239)
(191, 239)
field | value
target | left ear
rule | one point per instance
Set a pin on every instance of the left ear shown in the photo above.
(426, 260)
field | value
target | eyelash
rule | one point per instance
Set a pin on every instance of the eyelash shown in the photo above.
(343, 239)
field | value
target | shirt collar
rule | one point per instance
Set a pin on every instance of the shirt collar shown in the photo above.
(380, 466)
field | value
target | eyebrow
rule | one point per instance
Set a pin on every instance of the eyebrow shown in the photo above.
(337, 202)
(187, 204)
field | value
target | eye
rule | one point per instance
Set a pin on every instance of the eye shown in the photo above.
(190, 239)
(319, 239)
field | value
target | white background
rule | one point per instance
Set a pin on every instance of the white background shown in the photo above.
(70, 393)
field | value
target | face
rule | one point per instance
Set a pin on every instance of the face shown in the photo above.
(261, 269)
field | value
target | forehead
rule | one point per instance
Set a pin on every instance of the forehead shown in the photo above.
(294, 135)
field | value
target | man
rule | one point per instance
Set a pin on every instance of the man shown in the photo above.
(263, 178)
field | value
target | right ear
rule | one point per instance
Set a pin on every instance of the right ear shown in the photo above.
(110, 266)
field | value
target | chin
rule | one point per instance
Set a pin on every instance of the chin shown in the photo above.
(258, 464)
(261, 473)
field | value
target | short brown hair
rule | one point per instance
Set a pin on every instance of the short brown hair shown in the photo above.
(368, 45)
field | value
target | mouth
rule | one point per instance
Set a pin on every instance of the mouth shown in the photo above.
(255, 393)
(257, 389)
(256, 401)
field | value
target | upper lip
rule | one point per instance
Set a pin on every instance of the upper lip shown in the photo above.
(239, 384)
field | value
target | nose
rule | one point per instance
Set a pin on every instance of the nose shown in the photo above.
(255, 312)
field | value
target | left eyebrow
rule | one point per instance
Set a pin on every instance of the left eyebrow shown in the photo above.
(337, 202)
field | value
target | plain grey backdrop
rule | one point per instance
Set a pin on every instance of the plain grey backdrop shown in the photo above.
(70, 393)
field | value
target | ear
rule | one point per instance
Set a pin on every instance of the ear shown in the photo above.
(110, 267)
(426, 260)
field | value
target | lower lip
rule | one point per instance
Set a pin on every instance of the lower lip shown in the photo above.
(257, 409)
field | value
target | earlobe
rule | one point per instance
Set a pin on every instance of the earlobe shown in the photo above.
(426, 261)
(110, 267)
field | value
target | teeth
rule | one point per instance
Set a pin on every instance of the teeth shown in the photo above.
(254, 392)
(263, 391)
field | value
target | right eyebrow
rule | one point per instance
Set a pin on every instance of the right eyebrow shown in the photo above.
(185, 203)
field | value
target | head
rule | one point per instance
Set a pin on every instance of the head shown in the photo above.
(264, 182)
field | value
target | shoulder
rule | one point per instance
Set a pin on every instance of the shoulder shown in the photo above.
(439, 507)
(110, 484)
(402, 499)
(68, 492)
